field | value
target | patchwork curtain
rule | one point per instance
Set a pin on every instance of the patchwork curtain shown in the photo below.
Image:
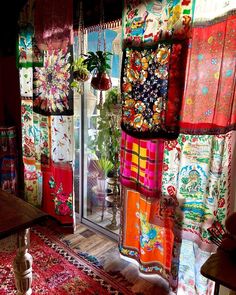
(47, 109)
(197, 168)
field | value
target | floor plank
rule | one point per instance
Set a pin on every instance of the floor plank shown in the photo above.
(106, 251)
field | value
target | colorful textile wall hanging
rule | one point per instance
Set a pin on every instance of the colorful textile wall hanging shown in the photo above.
(28, 53)
(152, 87)
(146, 22)
(52, 92)
(62, 138)
(149, 244)
(197, 170)
(58, 187)
(46, 98)
(209, 105)
(53, 21)
(141, 164)
(8, 159)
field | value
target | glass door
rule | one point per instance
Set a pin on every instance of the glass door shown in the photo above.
(100, 116)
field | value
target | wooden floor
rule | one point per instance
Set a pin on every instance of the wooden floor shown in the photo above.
(106, 251)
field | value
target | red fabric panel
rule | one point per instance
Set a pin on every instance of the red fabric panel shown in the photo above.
(209, 105)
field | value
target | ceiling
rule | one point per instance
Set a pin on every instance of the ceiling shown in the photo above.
(91, 15)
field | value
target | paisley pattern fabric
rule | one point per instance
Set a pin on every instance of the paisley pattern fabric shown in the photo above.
(152, 86)
(52, 92)
(141, 164)
(149, 244)
(146, 22)
(197, 171)
(209, 105)
(28, 54)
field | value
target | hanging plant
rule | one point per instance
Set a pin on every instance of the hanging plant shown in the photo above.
(98, 63)
(80, 71)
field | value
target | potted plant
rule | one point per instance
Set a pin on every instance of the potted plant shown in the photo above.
(103, 166)
(80, 73)
(98, 63)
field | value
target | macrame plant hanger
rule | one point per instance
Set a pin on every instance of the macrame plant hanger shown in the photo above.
(81, 28)
(101, 35)
(104, 78)
(81, 73)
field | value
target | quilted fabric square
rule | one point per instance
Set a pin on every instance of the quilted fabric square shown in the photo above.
(152, 88)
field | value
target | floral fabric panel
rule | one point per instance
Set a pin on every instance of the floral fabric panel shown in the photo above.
(150, 245)
(28, 145)
(28, 54)
(146, 22)
(42, 141)
(190, 280)
(62, 138)
(152, 88)
(26, 82)
(52, 91)
(209, 105)
(141, 164)
(58, 187)
(8, 159)
(207, 10)
(33, 183)
(197, 170)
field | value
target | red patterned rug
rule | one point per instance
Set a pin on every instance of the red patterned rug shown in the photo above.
(57, 269)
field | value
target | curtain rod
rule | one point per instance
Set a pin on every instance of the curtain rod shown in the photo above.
(106, 25)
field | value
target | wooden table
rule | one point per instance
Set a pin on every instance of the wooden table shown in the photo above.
(221, 268)
(17, 216)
